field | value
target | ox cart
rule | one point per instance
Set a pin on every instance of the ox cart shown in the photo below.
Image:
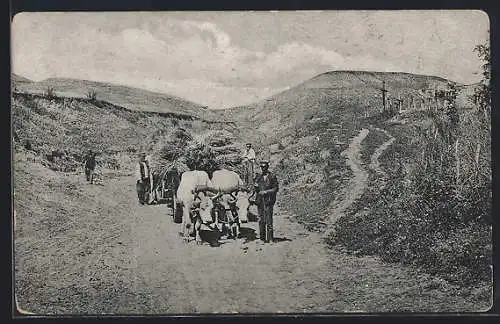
(165, 183)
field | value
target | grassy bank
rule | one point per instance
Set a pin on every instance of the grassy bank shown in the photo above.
(418, 215)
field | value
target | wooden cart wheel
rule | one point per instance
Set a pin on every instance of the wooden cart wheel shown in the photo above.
(173, 205)
(176, 210)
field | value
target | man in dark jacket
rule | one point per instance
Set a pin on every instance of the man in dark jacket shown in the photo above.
(90, 164)
(266, 187)
(142, 176)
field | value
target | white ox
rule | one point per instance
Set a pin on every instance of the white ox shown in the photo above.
(192, 181)
(232, 196)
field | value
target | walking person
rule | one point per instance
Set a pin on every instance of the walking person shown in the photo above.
(89, 165)
(266, 187)
(248, 163)
(149, 187)
(142, 176)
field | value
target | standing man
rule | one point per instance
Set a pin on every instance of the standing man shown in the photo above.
(249, 163)
(266, 187)
(90, 164)
(149, 163)
(142, 176)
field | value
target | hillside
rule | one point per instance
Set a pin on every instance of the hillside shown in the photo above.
(328, 105)
(19, 79)
(304, 130)
(346, 92)
(128, 97)
(74, 125)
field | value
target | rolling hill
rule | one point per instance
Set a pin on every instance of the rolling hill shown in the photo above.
(17, 79)
(124, 96)
(303, 130)
(342, 93)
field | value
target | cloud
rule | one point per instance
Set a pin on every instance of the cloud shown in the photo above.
(200, 61)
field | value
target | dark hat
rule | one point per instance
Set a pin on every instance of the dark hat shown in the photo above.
(249, 144)
(264, 162)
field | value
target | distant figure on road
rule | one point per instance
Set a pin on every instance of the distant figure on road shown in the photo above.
(90, 164)
(266, 188)
(142, 176)
(149, 187)
(248, 164)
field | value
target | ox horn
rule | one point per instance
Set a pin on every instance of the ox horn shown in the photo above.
(216, 196)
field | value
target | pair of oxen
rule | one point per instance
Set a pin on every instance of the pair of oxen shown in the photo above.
(204, 200)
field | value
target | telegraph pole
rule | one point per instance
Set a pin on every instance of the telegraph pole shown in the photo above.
(400, 104)
(384, 91)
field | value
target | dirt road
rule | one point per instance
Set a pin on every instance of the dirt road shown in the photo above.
(114, 256)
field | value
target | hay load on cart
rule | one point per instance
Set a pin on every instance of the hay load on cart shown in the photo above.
(166, 178)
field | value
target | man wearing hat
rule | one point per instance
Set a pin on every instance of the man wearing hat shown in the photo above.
(248, 163)
(142, 176)
(266, 187)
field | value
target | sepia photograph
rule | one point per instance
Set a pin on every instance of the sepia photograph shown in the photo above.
(251, 162)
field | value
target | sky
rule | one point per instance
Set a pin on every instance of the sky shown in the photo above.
(225, 59)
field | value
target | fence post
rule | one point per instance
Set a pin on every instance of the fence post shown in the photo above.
(478, 150)
(424, 159)
(457, 158)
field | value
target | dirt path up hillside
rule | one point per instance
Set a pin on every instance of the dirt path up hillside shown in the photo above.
(374, 163)
(356, 185)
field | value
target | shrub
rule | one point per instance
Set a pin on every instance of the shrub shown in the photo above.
(50, 93)
(92, 95)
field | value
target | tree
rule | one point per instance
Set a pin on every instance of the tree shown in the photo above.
(482, 94)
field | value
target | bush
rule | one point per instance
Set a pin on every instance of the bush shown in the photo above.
(92, 95)
(27, 145)
(465, 254)
(423, 224)
(50, 93)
